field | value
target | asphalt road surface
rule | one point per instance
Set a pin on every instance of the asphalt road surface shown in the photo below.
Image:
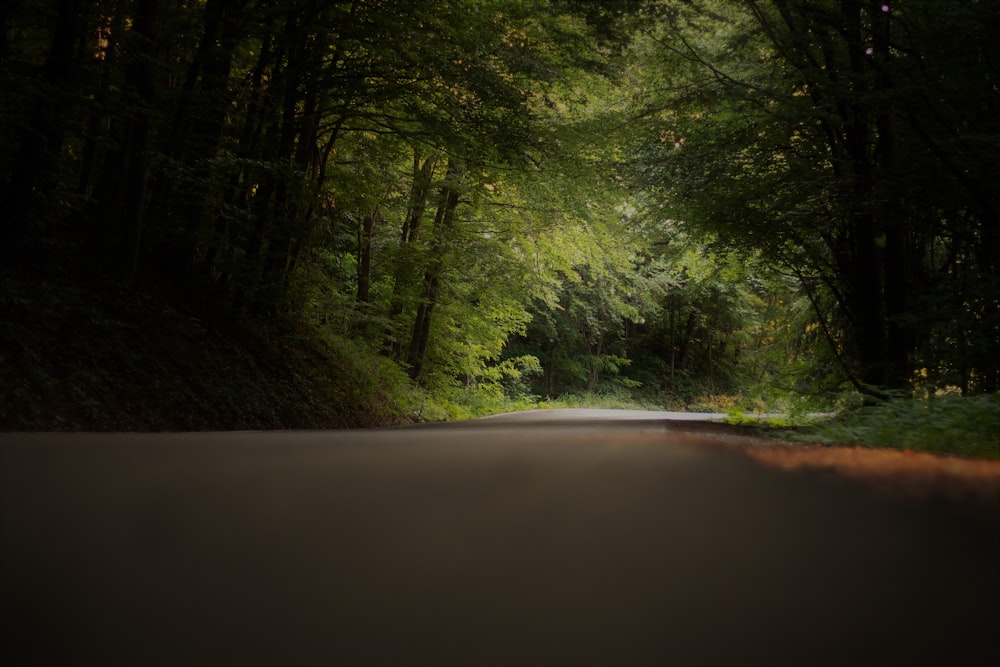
(547, 538)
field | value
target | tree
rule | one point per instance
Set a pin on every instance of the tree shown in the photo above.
(44, 97)
(802, 130)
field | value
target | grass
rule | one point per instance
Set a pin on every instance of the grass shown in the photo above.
(967, 426)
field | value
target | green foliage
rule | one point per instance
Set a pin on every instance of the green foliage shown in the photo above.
(769, 423)
(689, 204)
(762, 127)
(957, 425)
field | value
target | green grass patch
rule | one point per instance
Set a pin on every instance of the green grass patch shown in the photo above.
(766, 424)
(953, 425)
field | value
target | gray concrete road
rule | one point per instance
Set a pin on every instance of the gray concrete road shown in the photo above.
(502, 541)
(560, 415)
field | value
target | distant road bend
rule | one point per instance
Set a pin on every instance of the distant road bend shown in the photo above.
(570, 537)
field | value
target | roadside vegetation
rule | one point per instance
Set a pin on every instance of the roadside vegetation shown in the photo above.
(85, 355)
(947, 424)
(959, 425)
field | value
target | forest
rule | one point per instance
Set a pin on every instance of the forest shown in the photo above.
(301, 213)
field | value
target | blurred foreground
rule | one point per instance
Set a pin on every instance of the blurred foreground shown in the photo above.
(590, 541)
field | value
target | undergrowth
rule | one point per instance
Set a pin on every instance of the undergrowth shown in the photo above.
(956, 425)
(945, 425)
(78, 353)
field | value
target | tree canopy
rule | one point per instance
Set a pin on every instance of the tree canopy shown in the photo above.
(513, 199)
(853, 145)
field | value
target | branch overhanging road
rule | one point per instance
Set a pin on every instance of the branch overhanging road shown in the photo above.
(566, 537)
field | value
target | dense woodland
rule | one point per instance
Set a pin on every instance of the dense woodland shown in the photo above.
(480, 204)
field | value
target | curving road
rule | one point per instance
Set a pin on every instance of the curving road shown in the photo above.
(563, 537)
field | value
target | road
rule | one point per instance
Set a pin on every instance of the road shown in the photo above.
(545, 538)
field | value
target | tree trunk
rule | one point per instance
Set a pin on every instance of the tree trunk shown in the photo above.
(443, 224)
(685, 342)
(422, 177)
(673, 342)
(267, 245)
(551, 374)
(422, 325)
(594, 377)
(94, 153)
(122, 192)
(250, 148)
(141, 79)
(195, 135)
(403, 276)
(898, 270)
(35, 165)
(866, 296)
(366, 228)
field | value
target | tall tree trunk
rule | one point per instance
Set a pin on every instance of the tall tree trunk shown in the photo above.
(96, 138)
(281, 217)
(866, 298)
(366, 229)
(594, 376)
(443, 224)
(141, 80)
(422, 325)
(423, 174)
(269, 202)
(898, 269)
(221, 256)
(685, 342)
(195, 135)
(403, 276)
(292, 201)
(673, 342)
(123, 193)
(551, 373)
(833, 46)
(35, 165)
